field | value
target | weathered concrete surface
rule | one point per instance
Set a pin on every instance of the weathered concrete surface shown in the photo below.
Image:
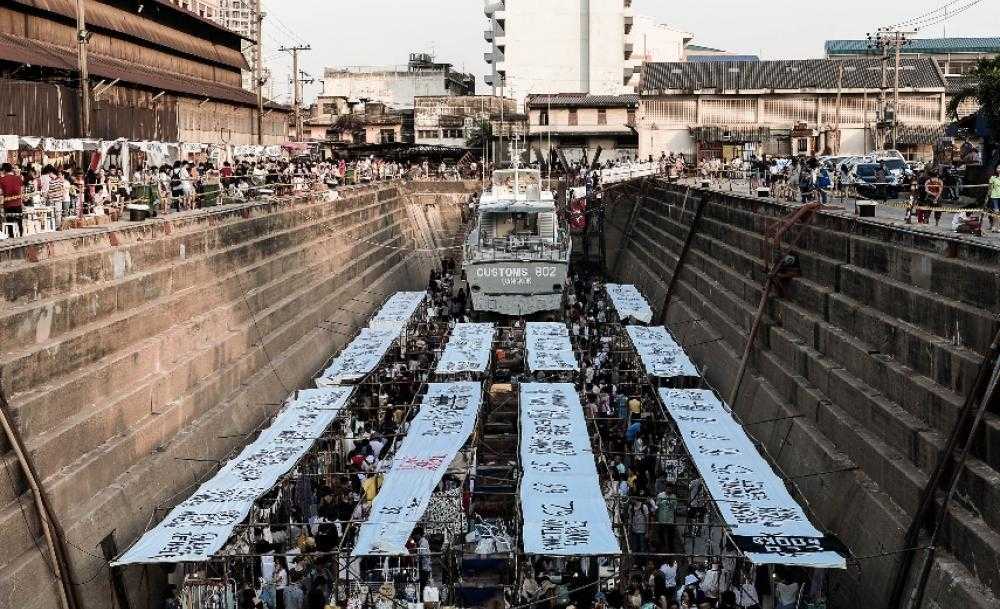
(872, 349)
(129, 349)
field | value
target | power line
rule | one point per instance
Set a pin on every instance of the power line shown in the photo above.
(944, 7)
(939, 15)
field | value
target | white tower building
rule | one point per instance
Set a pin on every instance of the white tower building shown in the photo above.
(560, 46)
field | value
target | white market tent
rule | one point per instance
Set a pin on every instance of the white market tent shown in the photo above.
(661, 356)
(764, 520)
(629, 302)
(468, 349)
(549, 348)
(447, 416)
(197, 528)
(561, 501)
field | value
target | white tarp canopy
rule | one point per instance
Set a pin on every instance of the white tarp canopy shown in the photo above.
(660, 353)
(359, 358)
(549, 347)
(628, 301)
(444, 423)
(766, 523)
(398, 309)
(197, 528)
(561, 501)
(468, 349)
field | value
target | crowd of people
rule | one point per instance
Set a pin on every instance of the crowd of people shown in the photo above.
(105, 188)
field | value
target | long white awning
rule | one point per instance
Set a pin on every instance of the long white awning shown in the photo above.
(468, 349)
(766, 522)
(628, 302)
(398, 309)
(661, 355)
(561, 501)
(549, 347)
(197, 528)
(361, 356)
(447, 416)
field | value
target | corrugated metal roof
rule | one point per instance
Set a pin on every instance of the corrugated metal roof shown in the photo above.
(729, 58)
(116, 22)
(919, 134)
(22, 50)
(582, 100)
(958, 83)
(698, 47)
(930, 46)
(859, 73)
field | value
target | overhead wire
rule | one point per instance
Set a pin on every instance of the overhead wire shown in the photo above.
(927, 14)
(936, 18)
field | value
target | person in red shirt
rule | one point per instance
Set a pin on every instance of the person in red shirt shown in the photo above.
(11, 187)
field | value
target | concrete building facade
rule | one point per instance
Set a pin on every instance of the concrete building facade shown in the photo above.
(743, 108)
(240, 16)
(450, 121)
(580, 124)
(397, 86)
(209, 9)
(582, 46)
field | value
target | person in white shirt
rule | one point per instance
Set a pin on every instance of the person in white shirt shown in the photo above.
(711, 583)
(786, 594)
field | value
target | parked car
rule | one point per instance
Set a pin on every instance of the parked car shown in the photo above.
(865, 178)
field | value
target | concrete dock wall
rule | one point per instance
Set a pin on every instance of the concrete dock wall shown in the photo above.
(871, 351)
(134, 356)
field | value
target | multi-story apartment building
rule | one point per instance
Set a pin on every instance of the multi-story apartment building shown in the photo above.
(742, 108)
(397, 86)
(239, 16)
(209, 9)
(451, 120)
(556, 46)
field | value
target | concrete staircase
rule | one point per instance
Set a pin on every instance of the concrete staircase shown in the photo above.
(136, 357)
(872, 350)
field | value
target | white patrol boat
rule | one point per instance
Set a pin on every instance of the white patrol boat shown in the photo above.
(517, 256)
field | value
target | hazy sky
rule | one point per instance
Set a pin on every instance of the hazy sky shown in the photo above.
(384, 32)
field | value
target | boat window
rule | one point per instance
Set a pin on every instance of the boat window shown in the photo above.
(516, 224)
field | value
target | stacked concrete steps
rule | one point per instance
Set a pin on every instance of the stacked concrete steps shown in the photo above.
(204, 346)
(725, 268)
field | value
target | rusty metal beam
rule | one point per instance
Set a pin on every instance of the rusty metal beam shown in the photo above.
(50, 527)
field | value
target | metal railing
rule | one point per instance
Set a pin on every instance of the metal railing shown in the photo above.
(515, 248)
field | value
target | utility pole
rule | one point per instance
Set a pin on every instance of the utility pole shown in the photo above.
(82, 38)
(888, 40)
(296, 87)
(840, 90)
(258, 73)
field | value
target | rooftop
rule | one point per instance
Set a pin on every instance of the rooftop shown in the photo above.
(858, 73)
(729, 58)
(930, 46)
(582, 100)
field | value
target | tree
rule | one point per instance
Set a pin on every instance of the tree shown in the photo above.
(985, 90)
(481, 136)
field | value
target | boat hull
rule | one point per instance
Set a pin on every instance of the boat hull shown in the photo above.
(516, 287)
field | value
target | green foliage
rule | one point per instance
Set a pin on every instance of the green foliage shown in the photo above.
(481, 136)
(985, 89)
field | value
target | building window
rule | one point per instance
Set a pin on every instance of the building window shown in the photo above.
(453, 134)
(602, 116)
(957, 67)
(543, 117)
(631, 118)
(573, 119)
(428, 134)
(387, 136)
